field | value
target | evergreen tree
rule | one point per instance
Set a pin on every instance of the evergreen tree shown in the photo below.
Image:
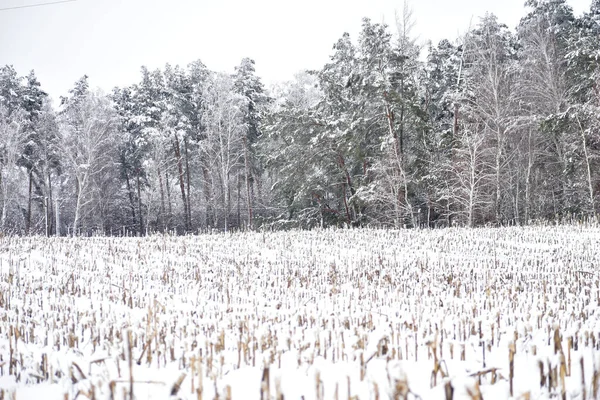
(133, 153)
(249, 85)
(442, 87)
(32, 98)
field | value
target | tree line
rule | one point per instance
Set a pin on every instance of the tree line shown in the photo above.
(497, 127)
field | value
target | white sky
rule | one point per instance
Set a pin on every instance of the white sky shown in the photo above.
(110, 40)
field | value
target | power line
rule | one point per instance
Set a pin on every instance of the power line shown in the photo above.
(37, 5)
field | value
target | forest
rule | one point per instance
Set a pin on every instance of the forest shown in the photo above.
(497, 127)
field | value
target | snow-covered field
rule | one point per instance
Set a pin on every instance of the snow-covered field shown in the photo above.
(355, 314)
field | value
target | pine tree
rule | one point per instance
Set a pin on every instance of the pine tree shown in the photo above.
(148, 109)
(133, 152)
(179, 107)
(32, 98)
(249, 85)
(442, 88)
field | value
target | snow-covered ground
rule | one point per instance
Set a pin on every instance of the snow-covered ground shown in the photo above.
(354, 314)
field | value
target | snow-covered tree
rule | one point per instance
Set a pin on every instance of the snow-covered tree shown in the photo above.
(223, 149)
(88, 126)
(249, 85)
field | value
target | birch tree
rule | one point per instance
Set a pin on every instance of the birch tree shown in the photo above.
(87, 126)
(491, 74)
(223, 148)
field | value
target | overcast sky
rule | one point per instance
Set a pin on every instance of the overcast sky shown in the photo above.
(110, 40)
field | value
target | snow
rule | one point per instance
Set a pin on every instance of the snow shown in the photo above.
(318, 314)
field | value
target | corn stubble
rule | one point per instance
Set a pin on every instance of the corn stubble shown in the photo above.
(357, 314)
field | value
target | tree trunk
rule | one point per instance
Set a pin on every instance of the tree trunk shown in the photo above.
(588, 171)
(342, 164)
(257, 191)
(170, 208)
(207, 195)
(517, 217)
(530, 160)
(226, 200)
(161, 217)
(497, 194)
(46, 225)
(455, 129)
(397, 202)
(131, 201)
(472, 183)
(102, 207)
(345, 197)
(239, 207)
(139, 196)
(77, 206)
(248, 194)
(398, 153)
(28, 222)
(187, 172)
(181, 181)
(3, 216)
(49, 203)
(57, 210)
